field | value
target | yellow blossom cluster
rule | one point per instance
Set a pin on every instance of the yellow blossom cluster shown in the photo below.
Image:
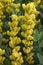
(13, 26)
(28, 26)
(2, 58)
(27, 31)
(14, 41)
(20, 33)
(16, 7)
(16, 56)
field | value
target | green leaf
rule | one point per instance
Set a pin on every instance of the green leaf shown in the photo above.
(41, 44)
(8, 51)
(7, 62)
(40, 57)
(36, 35)
(0, 38)
(21, 22)
(41, 35)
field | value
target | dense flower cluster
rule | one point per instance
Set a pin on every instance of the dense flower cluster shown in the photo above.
(2, 58)
(20, 32)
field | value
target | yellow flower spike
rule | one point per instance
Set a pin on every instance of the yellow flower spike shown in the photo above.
(16, 56)
(26, 29)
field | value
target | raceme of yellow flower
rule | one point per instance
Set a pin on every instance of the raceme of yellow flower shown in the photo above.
(20, 32)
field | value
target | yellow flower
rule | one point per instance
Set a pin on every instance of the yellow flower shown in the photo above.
(23, 34)
(27, 43)
(30, 37)
(24, 26)
(16, 5)
(11, 44)
(14, 17)
(37, 2)
(1, 23)
(16, 56)
(2, 59)
(16, 48)
(28, 50)
(1, 6)
(14, 41)
(8, 9)
(17, 10)
(2, 51)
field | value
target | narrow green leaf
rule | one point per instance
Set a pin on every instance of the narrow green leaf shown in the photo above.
(36, 35)
(40, 57)
(41, 44)
(7, 62)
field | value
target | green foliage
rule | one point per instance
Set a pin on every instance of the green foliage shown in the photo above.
(40, 57)
(8, 62)
(0, 38)
(36, 35)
